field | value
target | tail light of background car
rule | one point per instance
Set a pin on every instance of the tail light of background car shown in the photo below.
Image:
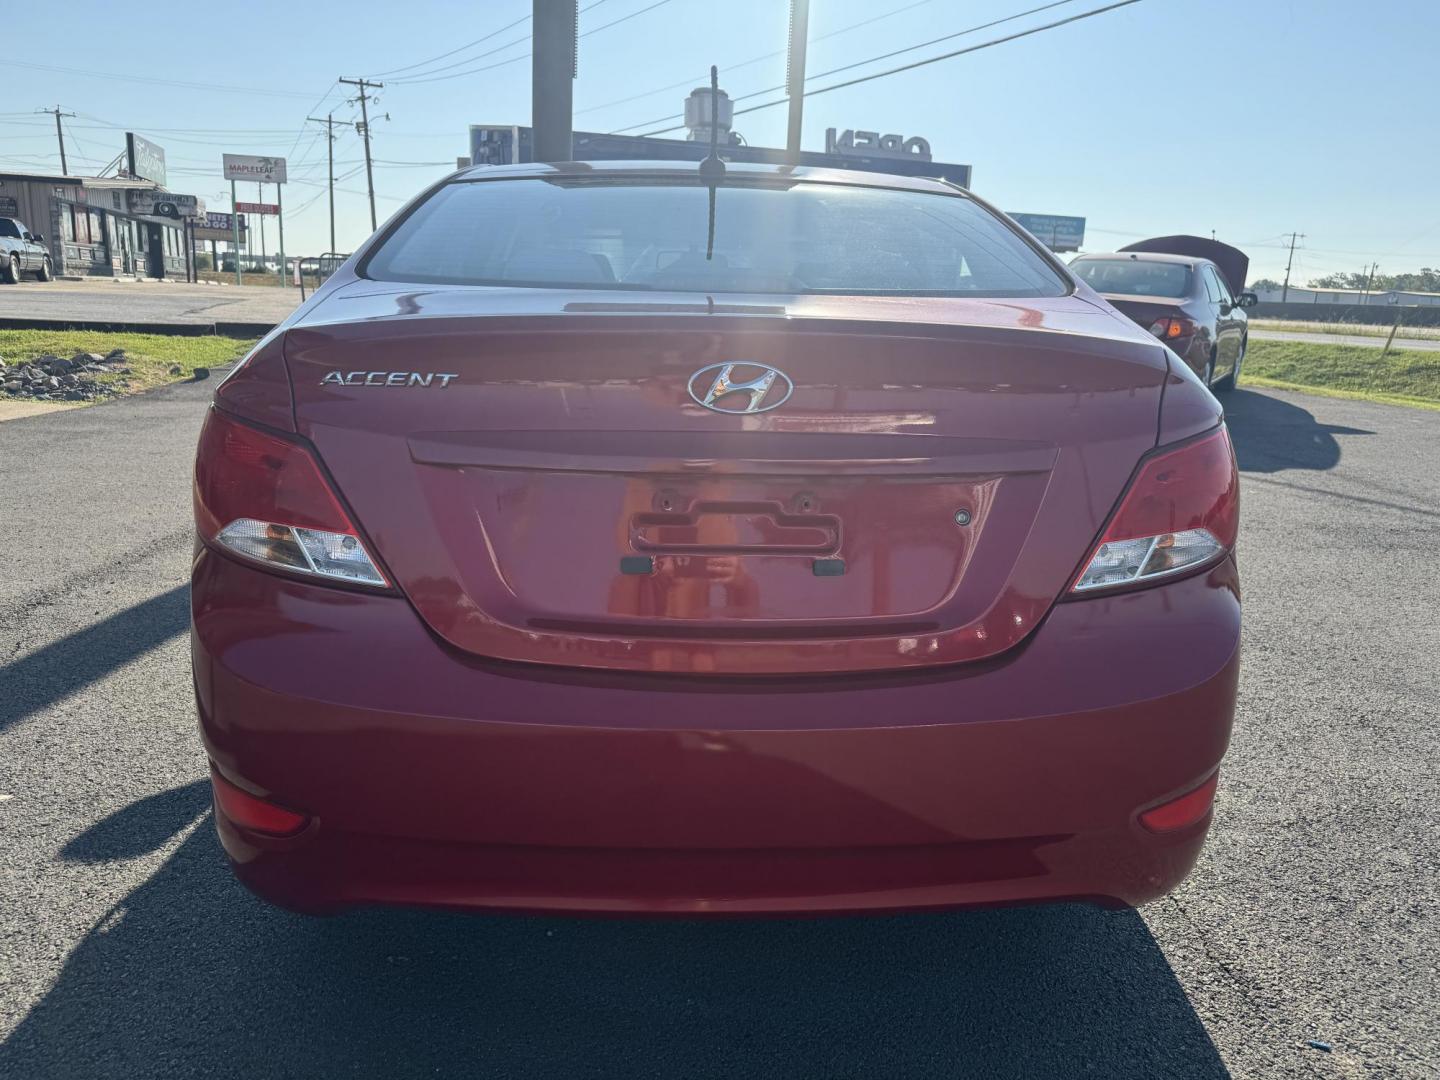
(265, 499)
(1180, 512)
(1172, 328)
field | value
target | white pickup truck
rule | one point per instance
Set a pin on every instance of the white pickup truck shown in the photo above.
(22, 252)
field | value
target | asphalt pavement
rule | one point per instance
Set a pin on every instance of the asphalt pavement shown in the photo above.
(106, 300)
(1364, 340)
(127, 951)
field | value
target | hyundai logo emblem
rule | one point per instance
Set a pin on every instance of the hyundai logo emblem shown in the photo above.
(724, 389)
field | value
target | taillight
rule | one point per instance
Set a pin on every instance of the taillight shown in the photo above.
(1171, 328)
(265, 499)
(1180, 513)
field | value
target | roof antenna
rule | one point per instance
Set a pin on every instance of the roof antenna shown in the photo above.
(712, 169)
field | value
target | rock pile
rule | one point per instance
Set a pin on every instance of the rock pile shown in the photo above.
(53, 378)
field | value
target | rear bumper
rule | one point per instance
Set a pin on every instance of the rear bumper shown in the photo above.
(445, 780)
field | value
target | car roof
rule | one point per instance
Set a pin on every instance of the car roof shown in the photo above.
(642, 170)
(1141, 256)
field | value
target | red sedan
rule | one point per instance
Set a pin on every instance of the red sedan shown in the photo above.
(597, 540)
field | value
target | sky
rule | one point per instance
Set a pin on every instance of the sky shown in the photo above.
(1251, 118)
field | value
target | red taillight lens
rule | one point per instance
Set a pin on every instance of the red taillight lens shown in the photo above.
(1183, 812)
(1170, 328)
(1181, 512)
(265, 498)
(252, 812)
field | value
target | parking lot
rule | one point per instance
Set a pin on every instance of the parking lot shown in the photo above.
(119, 301)
(1306, 943)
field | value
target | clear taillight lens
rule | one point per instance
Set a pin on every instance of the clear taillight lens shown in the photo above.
(1180, 512)
(264, 498)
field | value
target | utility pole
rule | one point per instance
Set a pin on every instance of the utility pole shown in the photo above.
(329, 123)
(795, 76)
(1285, 290)
(555, 28)
(365, 84)
(1369, 280)
(59, 134)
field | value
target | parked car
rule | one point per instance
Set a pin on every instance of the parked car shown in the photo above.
(22, 253)
(584, 544)
(1185, 300)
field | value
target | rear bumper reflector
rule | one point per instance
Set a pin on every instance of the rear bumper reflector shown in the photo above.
(253, 813)
(1181, 813)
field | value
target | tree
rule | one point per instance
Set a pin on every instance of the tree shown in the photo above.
(1424, 280)
(1265, 284)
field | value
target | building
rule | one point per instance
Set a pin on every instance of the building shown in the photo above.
(103, 227)
(1302, 294)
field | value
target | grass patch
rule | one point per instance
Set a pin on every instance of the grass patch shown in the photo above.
(150, 357)
(1405, 377)
(1431, 333)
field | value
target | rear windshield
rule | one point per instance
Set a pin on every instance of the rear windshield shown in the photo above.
(1134, 277)
(790, 238)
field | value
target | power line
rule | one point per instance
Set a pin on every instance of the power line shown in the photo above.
(929, 60)
(752, 60)
(452, 52)
(871, 60)
(419, 76)
(519, 41)
(218, 87)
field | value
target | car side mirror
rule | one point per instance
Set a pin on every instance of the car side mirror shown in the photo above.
(39, 238)
(1247, 299)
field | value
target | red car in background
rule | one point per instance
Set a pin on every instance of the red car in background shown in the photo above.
(598, 539)
(1188, 292)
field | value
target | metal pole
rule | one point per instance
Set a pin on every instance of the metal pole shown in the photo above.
(235, 227)
(329, 123)
(260, 198)
(554, 26)
(280, 224)
(330, 148)
(795, 75)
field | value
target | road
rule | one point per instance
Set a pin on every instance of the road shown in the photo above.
(107, 300)
(1365, 340)
(126, 949)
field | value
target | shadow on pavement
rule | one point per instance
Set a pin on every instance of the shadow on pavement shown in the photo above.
(1271, 435)
(64, 666)
(190, 976)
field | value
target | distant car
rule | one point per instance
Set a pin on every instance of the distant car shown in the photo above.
(815, 543)
(1184, 300)
(22, 252)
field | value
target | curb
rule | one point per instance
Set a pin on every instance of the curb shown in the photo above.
(219, 329)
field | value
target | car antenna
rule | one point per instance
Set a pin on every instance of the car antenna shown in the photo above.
(712, 169)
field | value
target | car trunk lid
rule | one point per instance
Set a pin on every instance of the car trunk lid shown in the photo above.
(564, 497)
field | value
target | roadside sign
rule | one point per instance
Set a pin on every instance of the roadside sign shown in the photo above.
(1056, 232)
(219, 220)
(264, 170)
(257, 208)
(145, 159)
(164, 204)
